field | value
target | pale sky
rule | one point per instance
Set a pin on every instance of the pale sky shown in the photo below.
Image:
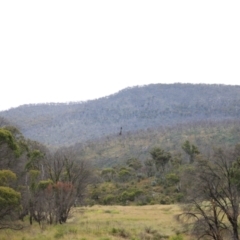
(61, 51)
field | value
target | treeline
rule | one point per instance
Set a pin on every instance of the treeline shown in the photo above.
(206, 187)
(36, 182)
(133, 109)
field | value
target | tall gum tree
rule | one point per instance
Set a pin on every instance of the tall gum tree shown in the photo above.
(213, 195)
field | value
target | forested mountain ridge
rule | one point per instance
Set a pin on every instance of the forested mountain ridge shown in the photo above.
(132, 109)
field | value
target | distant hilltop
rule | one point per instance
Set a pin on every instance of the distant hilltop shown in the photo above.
(133, 109)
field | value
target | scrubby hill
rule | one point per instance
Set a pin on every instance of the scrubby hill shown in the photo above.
(133, 109)
(116, 150)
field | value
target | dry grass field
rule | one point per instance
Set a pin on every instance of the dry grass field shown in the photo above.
(109, 223)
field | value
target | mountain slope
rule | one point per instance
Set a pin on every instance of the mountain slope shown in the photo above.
(132, 109)
(116, 150)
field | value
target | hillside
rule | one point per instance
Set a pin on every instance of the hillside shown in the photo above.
(116, 150)
(133, 109)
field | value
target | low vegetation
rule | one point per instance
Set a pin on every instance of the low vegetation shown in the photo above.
(109, 223)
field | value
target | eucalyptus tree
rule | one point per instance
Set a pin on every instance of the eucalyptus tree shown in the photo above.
(160, 158)
(191, 150)
(213, 195)
(70, 178)
(10, 200)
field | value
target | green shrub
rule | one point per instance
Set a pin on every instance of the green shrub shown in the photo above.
(166, 200)
(176, 237)
(108, 199)
(179, 197)
(59, 234)
(72, 230)
(121, 232)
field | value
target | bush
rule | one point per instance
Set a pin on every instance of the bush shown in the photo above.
(108, 199)
(59, 234)
(130, 195)
(179, 197)
(121, 232)
(9, 198)
(176, 237)
(166, 200)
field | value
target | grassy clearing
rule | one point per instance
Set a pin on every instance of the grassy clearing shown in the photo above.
(108, 223)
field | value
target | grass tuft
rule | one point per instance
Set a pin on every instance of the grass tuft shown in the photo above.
(121, 232)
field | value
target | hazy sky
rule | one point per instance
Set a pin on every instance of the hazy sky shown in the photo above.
(59, 51)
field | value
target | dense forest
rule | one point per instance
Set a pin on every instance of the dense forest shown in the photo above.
(133, 109)
(146, 145)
